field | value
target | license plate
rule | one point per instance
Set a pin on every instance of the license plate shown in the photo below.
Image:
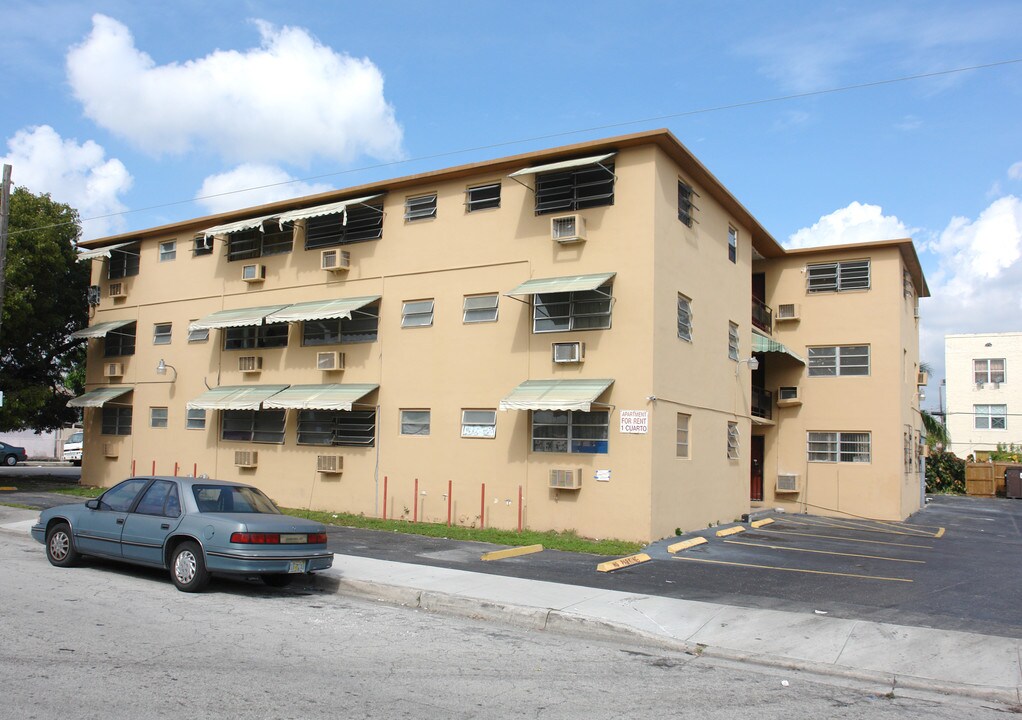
(293, 538)
(297, 566)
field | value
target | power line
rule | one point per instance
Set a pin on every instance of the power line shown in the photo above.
(565, 133)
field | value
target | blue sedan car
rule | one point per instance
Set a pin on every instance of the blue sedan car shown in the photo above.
(189, 526)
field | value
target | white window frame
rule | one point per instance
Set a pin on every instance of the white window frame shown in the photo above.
(420, 207)
(417, 313)
(159, 417)
(985, 417)
(683, 438)
(164, 337)
(839, 276)
(983, 371)
(195, 419)
(480, 308)
(839, 447)
(575, 300)
(415, 422)
(579, 437)
(733, 341)
(168, 250)
(733, 441)
(478, 423)
(842, 361)
(684, 317)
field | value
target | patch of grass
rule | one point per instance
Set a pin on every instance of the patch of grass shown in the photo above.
(568, 541)
(18, 505)
(79, 491)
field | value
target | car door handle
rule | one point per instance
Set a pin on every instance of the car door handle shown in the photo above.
(120, 521)
(165, 526)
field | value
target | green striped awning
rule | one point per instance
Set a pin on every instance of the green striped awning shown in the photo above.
(563, 165)
(337, 396)
(569, 283)
(241, 317)
(555, 395)
(321, 309)
(103, 251)
(234, 397)
(764, 345)
(100, 396)
(101, 329)
(329, 209)
(249, 224)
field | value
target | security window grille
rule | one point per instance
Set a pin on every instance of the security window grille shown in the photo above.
(846, 447)
(991, 417)
(420, 207)
(580, 310)
(732, 441)
(202, 245)
(988, 370)
(356, 223)
(682, 440)
(684, 318)
(158, 417)
(574, 431)
(260, 426)
(254, 243)
(362, 326)
(415, 422)
(116, 420)
(732, 244)
(168, 250)
(838, 276)
(123, 262)
(575, 189)
(418, 313)
(162, 333)
(837, 360)
(481, 197)
(256, 336)
(479, 423)
(732, 341)
(196, 419)
(120, 341)
(355, 428)
(686, 208)
(480, 308)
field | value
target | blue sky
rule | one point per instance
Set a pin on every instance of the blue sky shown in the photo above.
(130, 111)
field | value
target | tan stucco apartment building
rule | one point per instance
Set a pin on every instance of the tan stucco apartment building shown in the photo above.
(596, 337)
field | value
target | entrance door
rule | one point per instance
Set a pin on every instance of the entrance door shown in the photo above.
(756, 470)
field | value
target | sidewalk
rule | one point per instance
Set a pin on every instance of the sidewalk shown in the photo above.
(891, 656)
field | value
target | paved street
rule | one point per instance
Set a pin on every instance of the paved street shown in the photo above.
(102, 641)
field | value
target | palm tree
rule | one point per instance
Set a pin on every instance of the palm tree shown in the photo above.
(937, 437)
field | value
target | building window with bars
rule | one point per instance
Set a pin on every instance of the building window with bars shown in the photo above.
(838, 276)
(579, 310)
(354, 428)
(420, 207)
(835, 360)
(732, 441)
(991, 417)
(833, 447)
(481, 197)
(570, 431)
(684, 318)
(575, 189)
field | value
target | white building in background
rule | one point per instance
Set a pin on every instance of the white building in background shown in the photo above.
(984, 401)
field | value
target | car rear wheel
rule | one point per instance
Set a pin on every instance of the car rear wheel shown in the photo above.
(187, 568)
(60, 546)
(278, 581)
(10, 460)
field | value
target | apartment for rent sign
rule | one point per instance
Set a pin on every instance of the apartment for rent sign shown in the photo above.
(635, 422)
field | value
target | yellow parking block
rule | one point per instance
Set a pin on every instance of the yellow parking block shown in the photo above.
(8, 488)
(730, 531)
(761, 523)
(623, 562)
(940, 533)
(686, 544)
(512, 552)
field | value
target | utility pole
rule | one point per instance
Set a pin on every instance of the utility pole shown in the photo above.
(5, 208)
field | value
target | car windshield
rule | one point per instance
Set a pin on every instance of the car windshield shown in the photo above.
(232, 499)
(77, 437)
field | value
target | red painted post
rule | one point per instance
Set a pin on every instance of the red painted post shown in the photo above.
(415, 509)
(175, 468)
(195, 470)
(133, 467)
(449, 503)
(519, 508)
(154, 468)
(482, 507)
(384, 497)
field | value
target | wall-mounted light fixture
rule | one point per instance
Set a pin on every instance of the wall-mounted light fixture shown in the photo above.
(161, 369)
(752, 361)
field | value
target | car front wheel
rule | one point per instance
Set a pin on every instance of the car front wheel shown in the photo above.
(60, 546)
(187, 568)
(11, 460)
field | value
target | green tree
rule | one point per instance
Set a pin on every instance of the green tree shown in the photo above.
(44, 303)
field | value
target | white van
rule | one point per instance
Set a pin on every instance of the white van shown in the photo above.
(73, 448)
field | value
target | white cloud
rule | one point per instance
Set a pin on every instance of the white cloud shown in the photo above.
(260, 183)
(291, 99)
(852, 224)
(1015, 171)
(79, 175)
(909, 123)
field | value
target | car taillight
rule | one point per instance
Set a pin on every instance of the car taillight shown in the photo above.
(317, 538)
(256, 538)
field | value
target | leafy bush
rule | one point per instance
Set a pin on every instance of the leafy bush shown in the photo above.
(1007, 453)
(945, 473)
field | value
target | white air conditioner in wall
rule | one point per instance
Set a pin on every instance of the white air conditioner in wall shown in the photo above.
(789, 483)
(246, 458)
(567, 229)
(923, 378)
(566, 479)
(788, 396)
(113, 370)
(250, 363)
(110, 450)
(330, 464)
(253, 273)
(787, 311)
(117, 290)
(330, 361)
(335, 260)
(569, 352)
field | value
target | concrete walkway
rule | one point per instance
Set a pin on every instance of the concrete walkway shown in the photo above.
(891, 656)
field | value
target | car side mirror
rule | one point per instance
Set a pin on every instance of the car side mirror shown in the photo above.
(92, 504)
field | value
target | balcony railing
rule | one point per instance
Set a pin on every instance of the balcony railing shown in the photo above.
(762, 315)
(762, 402)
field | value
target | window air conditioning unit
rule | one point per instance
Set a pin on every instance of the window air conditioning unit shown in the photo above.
(116, 290)
(113, 370)
(330, 361)
(923, 378)
(915, 312)
(335, 260)
(789, 483)
(246, 458)
(566, 479)
(332, 464)
(788, 396)
(110, 450)
(787, 311)
(250, 363)
(253, 273)
(568, 229)
(569, 352)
